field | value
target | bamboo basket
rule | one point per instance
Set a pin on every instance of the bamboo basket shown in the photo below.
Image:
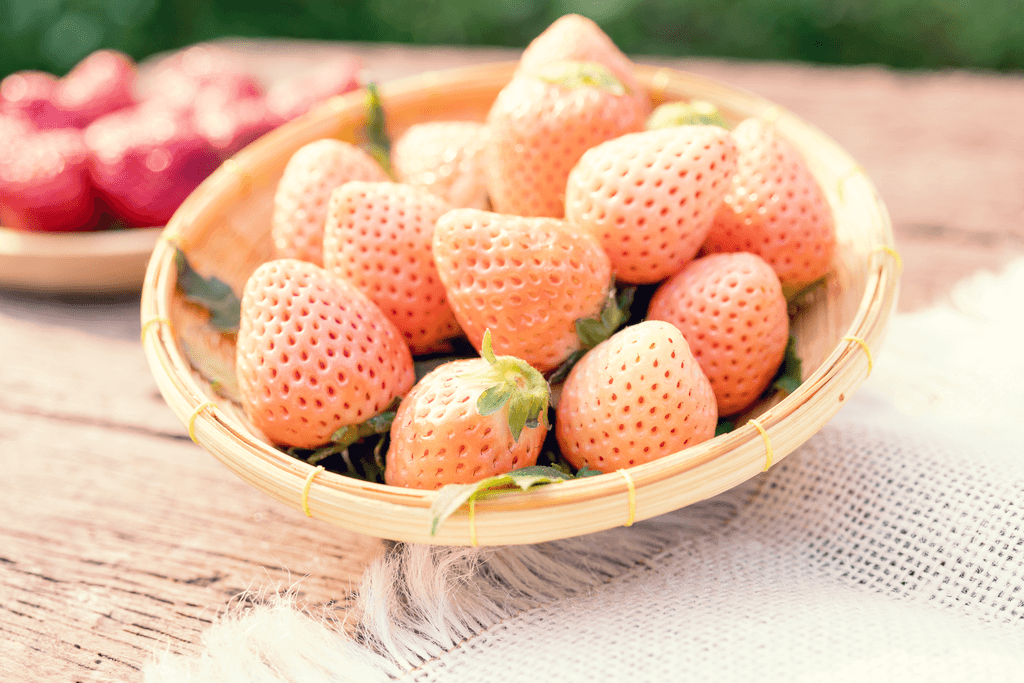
(223, 227)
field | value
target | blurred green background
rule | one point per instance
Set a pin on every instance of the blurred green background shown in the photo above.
(53, 35)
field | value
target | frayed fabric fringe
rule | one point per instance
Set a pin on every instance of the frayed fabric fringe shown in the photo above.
(417, 602)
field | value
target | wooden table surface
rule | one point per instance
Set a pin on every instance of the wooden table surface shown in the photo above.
(120, 538)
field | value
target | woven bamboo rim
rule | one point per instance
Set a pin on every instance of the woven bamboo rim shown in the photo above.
(223, 227)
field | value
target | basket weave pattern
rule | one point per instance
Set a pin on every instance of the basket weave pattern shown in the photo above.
(224, 228)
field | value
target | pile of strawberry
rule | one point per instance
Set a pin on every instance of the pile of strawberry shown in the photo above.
(525, 235)
(99, 145)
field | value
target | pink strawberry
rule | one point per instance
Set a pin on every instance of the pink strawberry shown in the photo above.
(294, 97)
(44, 182)
(29, 94)
(314, 354)
(731, 310)
(542, 123)
(446, 158)
(573, 38)
(100, 84)
(303, 193)
(146, 160)
(636, 397)
(378, 237)
(468, 420)
(650, 197)
(525, 279)
(775, 209)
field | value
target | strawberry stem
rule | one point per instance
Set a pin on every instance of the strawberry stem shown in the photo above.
(574, 75)
(517, 385)
(693, 113)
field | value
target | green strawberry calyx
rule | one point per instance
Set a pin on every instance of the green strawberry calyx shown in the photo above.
(513, 383)
(693, 113)
(453, 496)
(592, 331)
(573, 75)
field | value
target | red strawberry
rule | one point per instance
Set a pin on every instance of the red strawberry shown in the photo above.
(100, 84)
(303, 193)
(573, 38)
(468, 420)
(525, 279)
(15, 126)
(44, 181)
(314, 354)
(294, 97)
(29, 94)
(731, 310)
(230, 123)
(541, 124)
(378, 237)
(177, 81)
(445, 157)
(146, 160)
(775, 209)
(636, 397)
(650, 197)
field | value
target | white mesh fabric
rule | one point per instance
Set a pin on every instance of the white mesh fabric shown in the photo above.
(889, 548)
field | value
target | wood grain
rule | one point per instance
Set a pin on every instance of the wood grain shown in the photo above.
(119, 537)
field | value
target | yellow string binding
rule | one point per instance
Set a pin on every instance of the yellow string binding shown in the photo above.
(767, 443)
(305, 489)
(863, 345)
(886, 249)
(192, 420)
(149, 323)
(631, 489)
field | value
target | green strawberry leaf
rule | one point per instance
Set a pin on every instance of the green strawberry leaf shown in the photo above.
(347, 435)
(453, 496)
(694, 113)
(520, 414)
(219, 373)
(213, 294)
(493, 399)
(587, 472)
(790, 373)
(724, 426)
(376, 141)
(353, 444)
(593, 331)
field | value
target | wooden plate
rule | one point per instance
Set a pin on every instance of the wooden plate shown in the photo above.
(75, 262)
(224, 229)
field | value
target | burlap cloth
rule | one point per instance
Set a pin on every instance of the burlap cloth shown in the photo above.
(889, 548)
